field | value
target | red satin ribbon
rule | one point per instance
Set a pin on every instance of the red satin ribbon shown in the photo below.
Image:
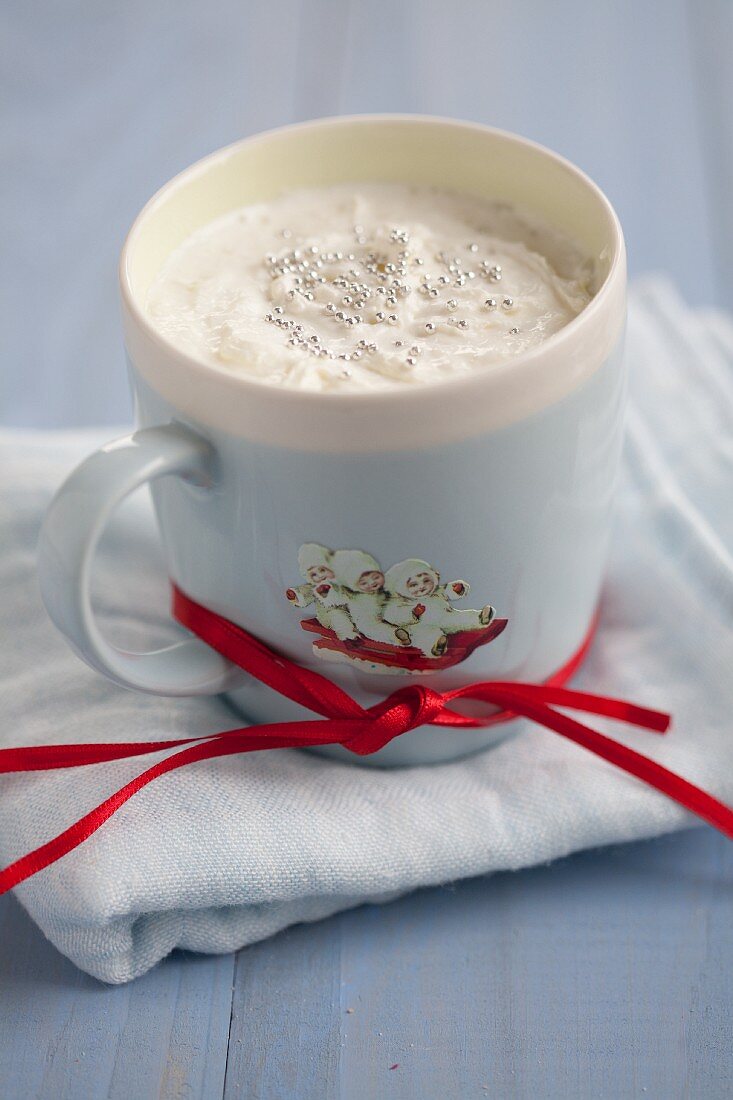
(345, 722)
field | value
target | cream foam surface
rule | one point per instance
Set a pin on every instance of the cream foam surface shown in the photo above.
(367, 286)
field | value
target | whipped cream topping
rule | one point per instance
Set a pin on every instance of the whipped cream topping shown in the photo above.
(364, 286)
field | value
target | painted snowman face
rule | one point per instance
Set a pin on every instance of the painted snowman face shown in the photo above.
(370, 582)
(421, 584)
(318, 573)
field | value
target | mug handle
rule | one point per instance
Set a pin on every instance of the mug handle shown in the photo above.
(69, 536)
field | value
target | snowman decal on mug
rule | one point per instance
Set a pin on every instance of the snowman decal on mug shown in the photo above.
(401, 620)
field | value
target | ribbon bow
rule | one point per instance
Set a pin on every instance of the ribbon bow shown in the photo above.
(345, 722)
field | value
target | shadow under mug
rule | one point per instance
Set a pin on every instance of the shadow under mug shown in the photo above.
(503, 477)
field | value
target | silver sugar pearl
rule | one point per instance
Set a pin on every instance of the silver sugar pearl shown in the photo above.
(451, 304)
(430, 327)
(491, 303)
(507, 303)
(392, 319)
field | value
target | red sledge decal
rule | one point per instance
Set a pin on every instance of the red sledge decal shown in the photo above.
(408, 658)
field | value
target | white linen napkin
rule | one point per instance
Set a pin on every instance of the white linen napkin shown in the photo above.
(223, 853)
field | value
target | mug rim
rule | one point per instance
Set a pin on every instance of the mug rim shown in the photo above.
(513, 373)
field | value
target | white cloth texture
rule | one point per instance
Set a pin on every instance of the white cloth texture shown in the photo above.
(223, 853)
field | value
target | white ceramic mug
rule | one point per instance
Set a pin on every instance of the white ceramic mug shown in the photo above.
(502, 477)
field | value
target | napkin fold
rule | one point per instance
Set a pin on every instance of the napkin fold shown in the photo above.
(226, 852)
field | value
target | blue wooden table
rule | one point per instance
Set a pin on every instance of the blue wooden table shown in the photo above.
(606, 975)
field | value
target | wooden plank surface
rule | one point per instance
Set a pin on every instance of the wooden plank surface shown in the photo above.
(65, 1036)
(607, 975)
(602, 976)
(711, 37)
